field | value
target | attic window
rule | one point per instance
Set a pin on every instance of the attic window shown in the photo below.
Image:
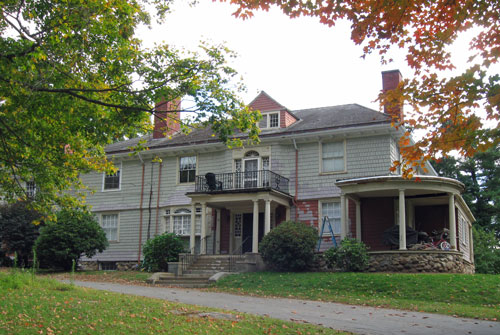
(270, 120)
(274, 120)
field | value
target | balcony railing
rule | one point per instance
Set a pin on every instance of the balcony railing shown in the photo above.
(248, 180)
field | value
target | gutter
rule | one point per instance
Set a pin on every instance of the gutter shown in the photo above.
(284, 135)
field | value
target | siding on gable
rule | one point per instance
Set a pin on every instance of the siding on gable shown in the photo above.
(366, 156)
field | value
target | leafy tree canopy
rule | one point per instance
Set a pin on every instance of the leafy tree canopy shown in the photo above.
(481, 176)
(74, 78)
(446, 109)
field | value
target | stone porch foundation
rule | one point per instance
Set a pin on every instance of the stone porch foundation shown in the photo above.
(419, 261)
(120, 266)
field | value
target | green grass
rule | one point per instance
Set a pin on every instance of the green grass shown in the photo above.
(124, 277)
(476, 296)
(41, 305)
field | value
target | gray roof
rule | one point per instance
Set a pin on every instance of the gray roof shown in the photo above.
(310, 120)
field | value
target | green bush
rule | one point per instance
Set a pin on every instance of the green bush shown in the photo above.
(350, 256)
(486, 251)
(75, 233)
(289, 246)
(161, 250)
(18, 232)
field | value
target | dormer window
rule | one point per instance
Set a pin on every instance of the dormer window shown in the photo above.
(274, 120)
(270, 120)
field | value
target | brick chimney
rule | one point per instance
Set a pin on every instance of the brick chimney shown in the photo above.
(167, 118)
(390, 81)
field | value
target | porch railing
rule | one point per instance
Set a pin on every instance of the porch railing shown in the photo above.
(233, 259)
(186, 260)
(242, 181)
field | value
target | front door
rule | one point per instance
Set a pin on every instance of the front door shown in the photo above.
(251, 168)
(247, 234)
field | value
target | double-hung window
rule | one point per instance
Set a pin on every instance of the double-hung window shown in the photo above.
(270, 120)
(109, 223)
(112, 181)
(333, 157)
(187, 169)
(332, 211)
(179, 221)
(274, 120)
(30, 189)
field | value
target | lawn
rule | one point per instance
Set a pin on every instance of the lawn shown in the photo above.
(39, 305)
(121, 277)
(475, 296)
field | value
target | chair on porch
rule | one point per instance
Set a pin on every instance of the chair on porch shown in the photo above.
(212, 183)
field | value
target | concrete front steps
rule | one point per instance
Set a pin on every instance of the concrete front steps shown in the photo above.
(209, 264)
(197, 275)
(186, 280)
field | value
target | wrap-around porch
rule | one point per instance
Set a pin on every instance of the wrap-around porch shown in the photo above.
(423, 205)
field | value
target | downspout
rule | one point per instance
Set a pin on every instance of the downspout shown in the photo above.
(296, 180)
(158, 199)
(149, 203)
(140, 211)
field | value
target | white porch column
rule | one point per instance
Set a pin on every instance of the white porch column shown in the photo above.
(231, 233)
(402, 220)
(358, 220)
(203, 244)
(287, 214)
(255, 237)
(267, 217)
(343, 217)
(217, 232)
(452, 220)
(192, 239)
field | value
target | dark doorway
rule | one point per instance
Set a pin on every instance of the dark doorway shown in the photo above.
(248, 231)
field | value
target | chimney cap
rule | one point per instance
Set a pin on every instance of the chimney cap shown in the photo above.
(391, 71)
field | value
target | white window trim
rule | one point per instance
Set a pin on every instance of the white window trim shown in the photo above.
(178, 167)
(463, 226)
(320, 217)
(117, 224)
(321, 158)
(268, 126)
(170, 227)
(119, 182)
(31, 194)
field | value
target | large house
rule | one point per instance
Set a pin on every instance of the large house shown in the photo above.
(321, 162)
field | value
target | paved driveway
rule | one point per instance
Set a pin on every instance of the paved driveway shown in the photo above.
(356, 319)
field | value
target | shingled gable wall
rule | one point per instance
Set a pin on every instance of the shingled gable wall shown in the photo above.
(264, 103)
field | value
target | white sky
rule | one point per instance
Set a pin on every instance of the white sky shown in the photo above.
(301, 63)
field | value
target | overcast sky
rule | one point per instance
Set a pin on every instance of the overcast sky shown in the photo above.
(299, 62)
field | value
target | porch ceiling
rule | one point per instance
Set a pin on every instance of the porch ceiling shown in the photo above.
(241, 201)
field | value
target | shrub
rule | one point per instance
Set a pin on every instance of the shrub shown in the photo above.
(75, 233)
(350, 256)
(289, 246)
(17, 232)
(486, 251)
(161, 250)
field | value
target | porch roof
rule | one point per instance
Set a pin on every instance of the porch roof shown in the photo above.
(390, 185)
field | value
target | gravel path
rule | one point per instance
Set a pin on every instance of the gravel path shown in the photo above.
(356, 319)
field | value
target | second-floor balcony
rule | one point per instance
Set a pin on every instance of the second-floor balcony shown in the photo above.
(241, 181)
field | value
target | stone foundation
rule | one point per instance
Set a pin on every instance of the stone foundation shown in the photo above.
(419, 261)
(127, 266)
(120, 266)
(88, 266)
